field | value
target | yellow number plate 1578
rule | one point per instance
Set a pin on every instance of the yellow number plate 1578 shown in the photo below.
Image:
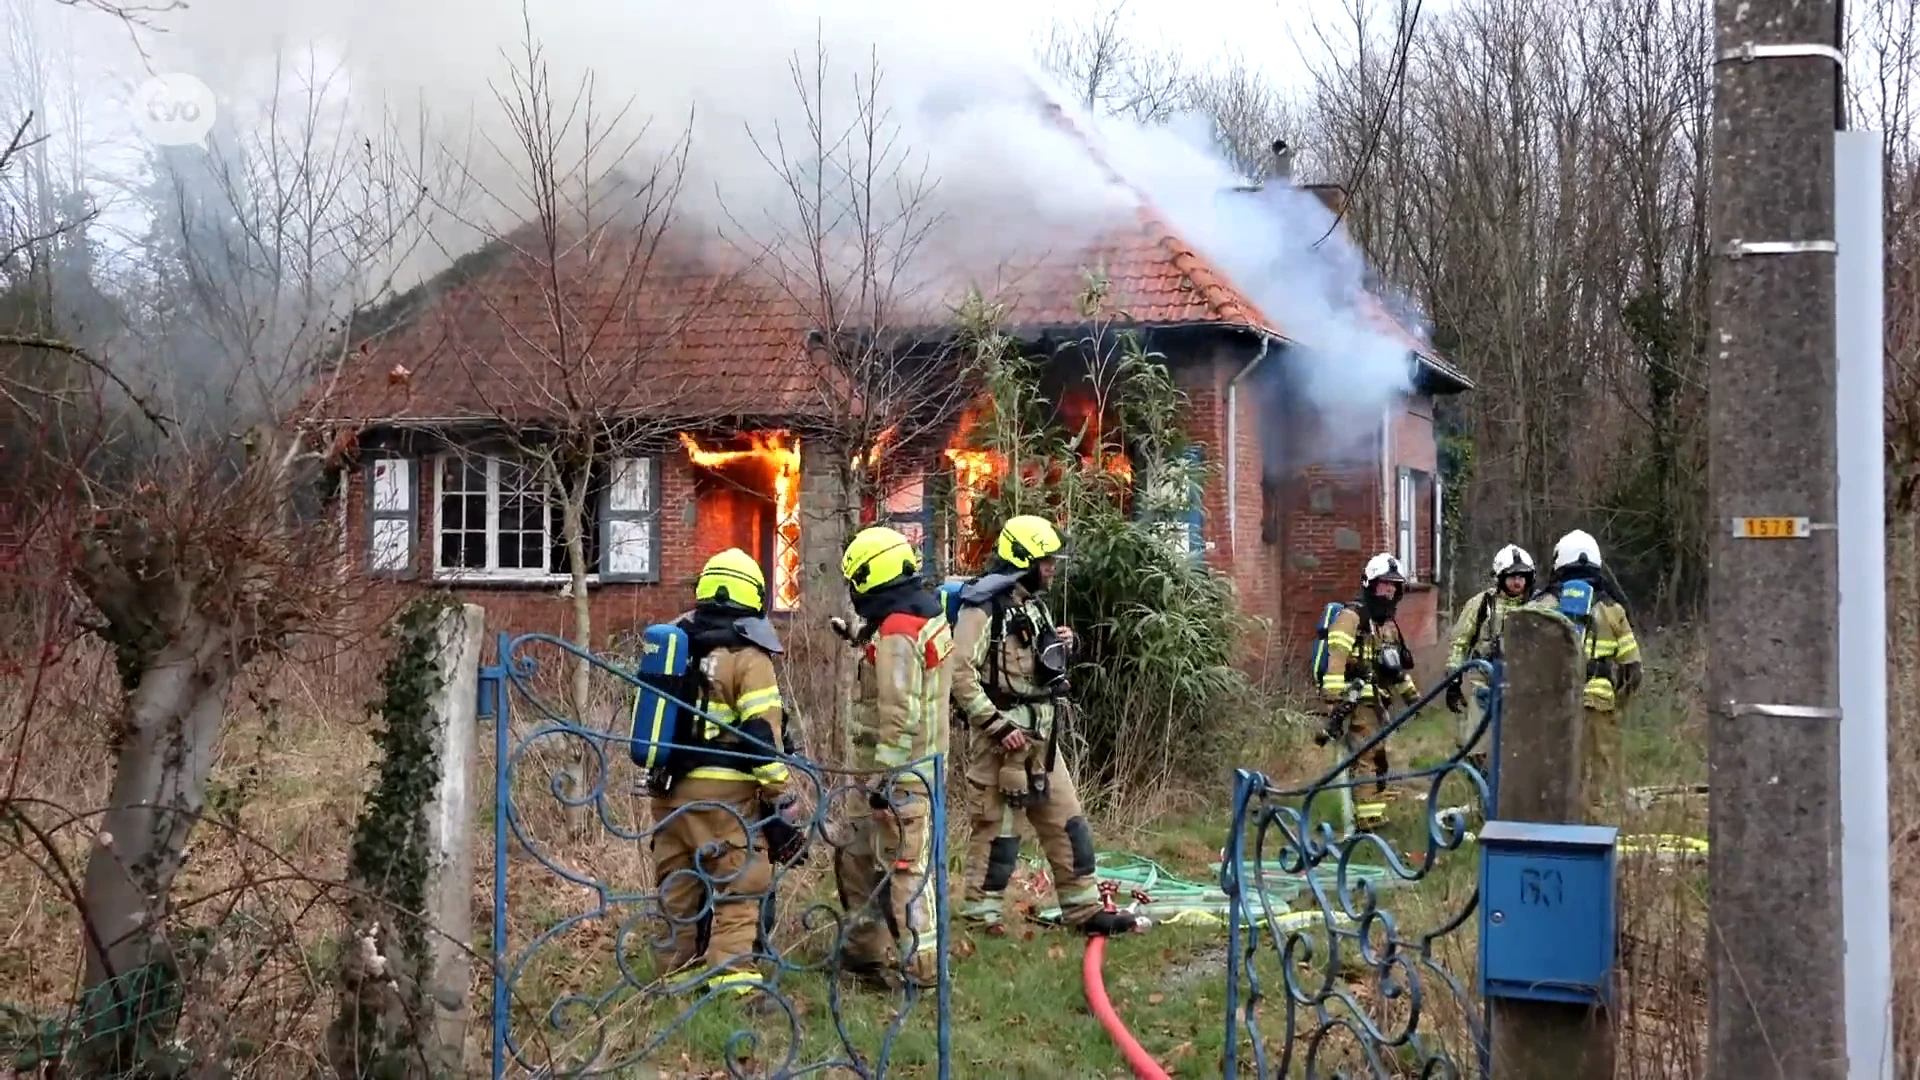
(1771, 528)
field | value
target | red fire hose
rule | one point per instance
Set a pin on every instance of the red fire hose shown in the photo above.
(1144, 1067)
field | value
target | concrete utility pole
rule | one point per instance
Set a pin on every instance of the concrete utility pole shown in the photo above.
(1775, 945)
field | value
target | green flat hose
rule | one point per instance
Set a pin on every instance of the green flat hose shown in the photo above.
(1181, 902)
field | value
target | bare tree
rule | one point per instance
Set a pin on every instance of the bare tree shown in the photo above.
(1108, 71)
(580, 365)
(197, 538)
(1248, 113)
(1539, 186)
(847, 251)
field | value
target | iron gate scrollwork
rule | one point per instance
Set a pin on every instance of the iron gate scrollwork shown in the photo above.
(1375, 975)
(578, 929)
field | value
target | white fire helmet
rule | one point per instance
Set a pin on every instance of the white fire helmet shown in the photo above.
(1510, 560)
(1576, 546)
(1382, 567)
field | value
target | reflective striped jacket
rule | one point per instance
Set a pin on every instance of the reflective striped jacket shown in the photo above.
(899, 714)
(1489, 608)
(1608, 643)
(1353, 657)
(743, 693)
(973, 644)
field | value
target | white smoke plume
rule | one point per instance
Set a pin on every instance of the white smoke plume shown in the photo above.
(959, 91)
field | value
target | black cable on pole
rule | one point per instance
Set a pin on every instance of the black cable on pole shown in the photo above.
(1403, 50)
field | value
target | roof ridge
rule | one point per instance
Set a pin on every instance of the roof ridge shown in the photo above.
(1217, 291)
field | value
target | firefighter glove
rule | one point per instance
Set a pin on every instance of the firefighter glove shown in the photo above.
(1335, 727)
(787, 844)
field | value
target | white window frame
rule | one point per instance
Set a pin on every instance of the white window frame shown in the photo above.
(493, 572)
(1409, 520)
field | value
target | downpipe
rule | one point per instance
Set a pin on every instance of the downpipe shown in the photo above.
(1142, 1063)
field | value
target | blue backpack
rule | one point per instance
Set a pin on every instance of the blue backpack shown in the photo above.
(1320, 651)
(662, 705)
(1576, 602)
(949, 592)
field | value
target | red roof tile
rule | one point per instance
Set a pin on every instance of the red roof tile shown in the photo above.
(661, 333)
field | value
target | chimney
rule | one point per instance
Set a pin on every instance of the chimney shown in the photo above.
(1282, 161)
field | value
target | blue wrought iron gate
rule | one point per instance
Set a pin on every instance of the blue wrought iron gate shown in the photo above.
(579, 925)
(1360, 929)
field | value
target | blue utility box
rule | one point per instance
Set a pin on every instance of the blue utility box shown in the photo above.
(1548, 921)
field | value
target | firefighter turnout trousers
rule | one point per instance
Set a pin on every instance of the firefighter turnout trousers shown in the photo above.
(994, 848)
(885, 887)
(710, 871)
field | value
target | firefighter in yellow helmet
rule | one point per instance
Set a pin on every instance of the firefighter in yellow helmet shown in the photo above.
(1367, 663)
(713, 803)
(1476, 636)
(1010, 684)
(898, 721)
(1581, 592)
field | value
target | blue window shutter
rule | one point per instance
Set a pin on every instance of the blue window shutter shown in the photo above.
(1196, 499)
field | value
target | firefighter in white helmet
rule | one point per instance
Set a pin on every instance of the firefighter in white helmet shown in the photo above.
(1368, 662)
(1476, 636)
(1581, 591)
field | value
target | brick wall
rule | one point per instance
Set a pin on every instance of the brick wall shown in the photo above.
(1302, 532)
(1330, 526)
(1230, 524)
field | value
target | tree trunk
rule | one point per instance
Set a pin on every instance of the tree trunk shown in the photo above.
(574, 525)
(584, 773)
(174, 717)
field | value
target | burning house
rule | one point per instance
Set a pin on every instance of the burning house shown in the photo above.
(732, 445)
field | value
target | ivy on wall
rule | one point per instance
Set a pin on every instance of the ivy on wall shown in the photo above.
(384, 1024)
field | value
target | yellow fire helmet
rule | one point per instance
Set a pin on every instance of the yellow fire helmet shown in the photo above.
(878, 557)
(1027, 538)
(734, 577)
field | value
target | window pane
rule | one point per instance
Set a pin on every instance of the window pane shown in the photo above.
(476, 517)
(515, 478)
(463, 551)
(557, 559)
(630, 546)
(511, 510)
(452, 514)
(390, 544)
(391, 487)
(473, 476)
(509, 550)
(531, 544)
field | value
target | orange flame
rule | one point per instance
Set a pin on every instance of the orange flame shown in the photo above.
(881, 444)
(780, 450)
(1117, 465)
